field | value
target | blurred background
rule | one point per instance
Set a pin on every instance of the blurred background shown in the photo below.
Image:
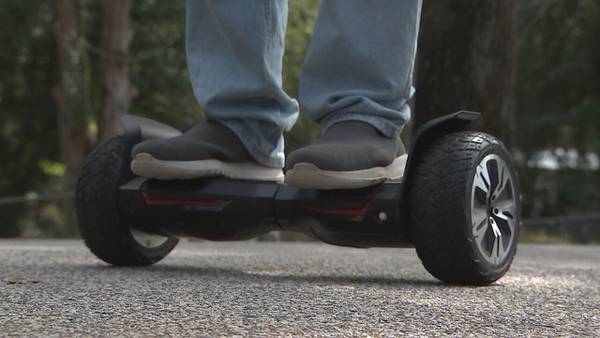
(69, 69)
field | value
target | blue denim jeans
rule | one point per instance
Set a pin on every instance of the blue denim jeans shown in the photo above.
(359, 66)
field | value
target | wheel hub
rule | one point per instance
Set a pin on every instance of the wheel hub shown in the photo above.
(493, 208)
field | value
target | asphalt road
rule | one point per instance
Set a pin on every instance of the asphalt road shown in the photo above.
(202, 288)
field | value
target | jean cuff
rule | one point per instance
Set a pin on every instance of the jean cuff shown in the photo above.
(275, 159)
(383, 125)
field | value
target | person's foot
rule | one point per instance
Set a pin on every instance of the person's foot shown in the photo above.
(350, 154)
(208, 149)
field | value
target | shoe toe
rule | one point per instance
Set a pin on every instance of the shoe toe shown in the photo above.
(304, 155)
(325, 157)
(159, 148)
(143, 147)
(340, 157)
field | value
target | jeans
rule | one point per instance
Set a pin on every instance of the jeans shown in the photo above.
(359, 66)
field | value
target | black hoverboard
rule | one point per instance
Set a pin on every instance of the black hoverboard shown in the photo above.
(458, 204)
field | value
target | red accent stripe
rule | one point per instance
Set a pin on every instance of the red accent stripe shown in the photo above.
(152, 201)
(342, 212)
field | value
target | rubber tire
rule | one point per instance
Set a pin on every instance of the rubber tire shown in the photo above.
(440, 203)
(103, 229)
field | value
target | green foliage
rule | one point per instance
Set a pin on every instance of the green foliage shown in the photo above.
(558, 103)
(28, 120)
(558, 85)
(158, 65)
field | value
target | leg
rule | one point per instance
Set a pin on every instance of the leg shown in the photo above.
(235, 56)
(358, 77)
(360, 63)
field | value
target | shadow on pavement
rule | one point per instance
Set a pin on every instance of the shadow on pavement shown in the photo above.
(194, 272)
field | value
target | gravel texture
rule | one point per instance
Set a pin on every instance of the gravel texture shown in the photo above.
(58, 288)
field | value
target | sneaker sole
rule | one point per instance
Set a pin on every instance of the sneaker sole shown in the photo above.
(146, 165)
(309, 176)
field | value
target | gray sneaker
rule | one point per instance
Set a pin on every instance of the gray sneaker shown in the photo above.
(349, 155)
(208, 149)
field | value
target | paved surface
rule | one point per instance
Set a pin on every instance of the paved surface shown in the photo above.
(58, 288)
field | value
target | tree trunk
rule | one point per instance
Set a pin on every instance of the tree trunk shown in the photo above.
(70, 94)
(70, 91)
(116, 40)
(467, 61)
